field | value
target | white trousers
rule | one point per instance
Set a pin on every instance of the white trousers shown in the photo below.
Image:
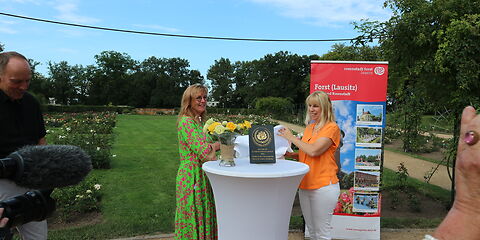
(317, 208)
(28, 231)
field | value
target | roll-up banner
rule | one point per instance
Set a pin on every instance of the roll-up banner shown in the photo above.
(358, 92)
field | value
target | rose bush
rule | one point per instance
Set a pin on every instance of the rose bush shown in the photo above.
(78, 199)
(93, 133)
(90, 131)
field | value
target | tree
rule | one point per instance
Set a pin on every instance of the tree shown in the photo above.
(458, 58)
(172, 80)
(82, 79)
(145, 80)
(61, 82)
(246, 78)
(282, 75)
(342, 52)
(433, 47)
(416, 41)
(275, 75)
(221, 75)
(39, 84)
(112, 79)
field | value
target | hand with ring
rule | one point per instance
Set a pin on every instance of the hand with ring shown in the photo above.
(464, 216)
(3, 221)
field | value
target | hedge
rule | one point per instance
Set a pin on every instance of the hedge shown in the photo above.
(85, 108)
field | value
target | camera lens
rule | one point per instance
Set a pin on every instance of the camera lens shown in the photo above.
(35, 205)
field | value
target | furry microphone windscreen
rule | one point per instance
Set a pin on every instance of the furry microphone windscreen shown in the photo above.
(51, 166)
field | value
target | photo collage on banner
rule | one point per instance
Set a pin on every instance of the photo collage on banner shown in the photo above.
(358, 93)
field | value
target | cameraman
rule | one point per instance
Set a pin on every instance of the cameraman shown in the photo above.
(21, 124)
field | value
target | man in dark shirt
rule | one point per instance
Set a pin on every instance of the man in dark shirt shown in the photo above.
(21, 123)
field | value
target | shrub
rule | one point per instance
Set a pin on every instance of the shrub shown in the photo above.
(402, 176)
(96, 145)
(414, 203)
(231, 111)
(253, 119)
(90, 131)
(391, 134)
(85, 108)
(82, 198)
(279, 108)
(394, 200)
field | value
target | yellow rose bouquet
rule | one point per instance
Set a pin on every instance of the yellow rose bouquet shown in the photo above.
(226, 131)
(217, 127)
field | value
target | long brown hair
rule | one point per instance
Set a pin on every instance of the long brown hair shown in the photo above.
(322, 99)
(188, 95)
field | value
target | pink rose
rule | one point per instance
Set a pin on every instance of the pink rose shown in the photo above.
(344, 196)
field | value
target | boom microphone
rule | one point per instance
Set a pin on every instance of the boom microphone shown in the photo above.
(46, 166)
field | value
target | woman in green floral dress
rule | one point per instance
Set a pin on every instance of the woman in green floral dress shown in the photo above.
(195, 216)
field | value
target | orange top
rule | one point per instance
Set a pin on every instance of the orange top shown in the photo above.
(323, 168)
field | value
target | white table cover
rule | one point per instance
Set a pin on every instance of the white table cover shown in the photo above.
(254, 201)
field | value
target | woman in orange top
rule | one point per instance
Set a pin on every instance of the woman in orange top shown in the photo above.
(319, 188)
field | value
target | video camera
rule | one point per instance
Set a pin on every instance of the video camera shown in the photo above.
(36, 205)
(40, 167)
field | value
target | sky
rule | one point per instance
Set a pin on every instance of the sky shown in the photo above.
(269, 19)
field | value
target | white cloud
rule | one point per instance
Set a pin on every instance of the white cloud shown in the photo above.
(74, 32)
(329, 12)
(5, 27)
(68, 12)
(36, 2)
(67, 50)
(157, 27)
(7, 30)
(3, 22)
(346, 162)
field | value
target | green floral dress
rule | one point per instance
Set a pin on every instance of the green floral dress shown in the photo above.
(195, 217)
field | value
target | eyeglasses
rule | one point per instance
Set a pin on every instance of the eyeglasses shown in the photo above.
(199, 98)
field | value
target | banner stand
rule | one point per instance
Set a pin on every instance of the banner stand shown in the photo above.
(358, 92)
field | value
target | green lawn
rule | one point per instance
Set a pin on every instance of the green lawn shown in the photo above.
(139, 189)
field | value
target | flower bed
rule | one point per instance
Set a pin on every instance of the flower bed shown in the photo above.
(91, 131)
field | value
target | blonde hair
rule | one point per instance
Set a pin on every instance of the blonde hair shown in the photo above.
(188, 95)
(322, 99)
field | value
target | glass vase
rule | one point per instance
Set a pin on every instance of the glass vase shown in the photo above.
(227, 152)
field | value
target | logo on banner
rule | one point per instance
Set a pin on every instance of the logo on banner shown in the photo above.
(379, 70)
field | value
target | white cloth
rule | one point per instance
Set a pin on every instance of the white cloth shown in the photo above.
(317, 209)
(29, 231)
(281, 145)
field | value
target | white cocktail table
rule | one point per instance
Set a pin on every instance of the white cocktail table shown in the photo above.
(254, 201)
